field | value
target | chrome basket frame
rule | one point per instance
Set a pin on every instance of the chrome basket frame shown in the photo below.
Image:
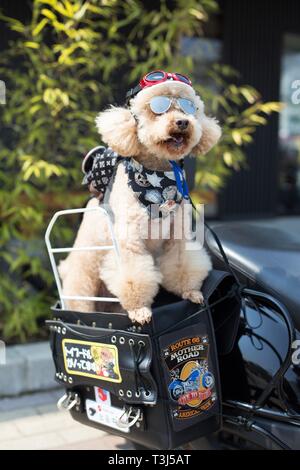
(52, 251)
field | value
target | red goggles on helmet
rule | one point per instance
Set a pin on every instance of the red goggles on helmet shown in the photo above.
(158, 76)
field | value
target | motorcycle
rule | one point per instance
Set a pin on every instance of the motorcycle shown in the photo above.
(259, 373)
(260, 377)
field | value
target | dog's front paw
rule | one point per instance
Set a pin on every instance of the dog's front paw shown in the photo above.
(140, 315)
(194, 296)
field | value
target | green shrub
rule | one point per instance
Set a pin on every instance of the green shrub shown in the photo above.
(73, 57)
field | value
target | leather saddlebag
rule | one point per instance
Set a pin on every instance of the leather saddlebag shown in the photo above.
(157, 385)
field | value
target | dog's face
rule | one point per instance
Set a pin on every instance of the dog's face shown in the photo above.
(174, 133)
(170, 135)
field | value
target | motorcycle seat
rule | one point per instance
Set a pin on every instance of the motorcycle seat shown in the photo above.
(264, 255)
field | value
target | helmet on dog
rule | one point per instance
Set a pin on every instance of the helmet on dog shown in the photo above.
(154, 78)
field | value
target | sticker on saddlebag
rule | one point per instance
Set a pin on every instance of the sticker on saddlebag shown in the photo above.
(101, 411)
(191, 384)
(89, 359)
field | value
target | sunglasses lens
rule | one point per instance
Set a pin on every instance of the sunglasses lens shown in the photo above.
(183, 78)
(160, 104)
(187, 106)
(155, 76)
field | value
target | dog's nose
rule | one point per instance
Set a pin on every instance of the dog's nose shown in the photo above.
(182, 124)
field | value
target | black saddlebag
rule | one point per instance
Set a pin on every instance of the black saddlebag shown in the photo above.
(157, 385)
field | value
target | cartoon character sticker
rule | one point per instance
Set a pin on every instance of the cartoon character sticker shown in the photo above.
(90, 359)
(192, 384)
(104, 359)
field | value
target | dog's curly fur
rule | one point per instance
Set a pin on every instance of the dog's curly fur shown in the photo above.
(144, 263)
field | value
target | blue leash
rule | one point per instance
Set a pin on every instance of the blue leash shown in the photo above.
(180, 180)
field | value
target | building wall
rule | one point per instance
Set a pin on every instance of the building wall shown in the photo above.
(253, 34)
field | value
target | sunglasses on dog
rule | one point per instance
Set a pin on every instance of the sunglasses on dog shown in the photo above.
(153, 78)
(161, 104)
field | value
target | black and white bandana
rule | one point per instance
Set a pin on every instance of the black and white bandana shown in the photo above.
(156, 190)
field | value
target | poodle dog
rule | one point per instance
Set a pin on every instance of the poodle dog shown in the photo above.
(163, 122)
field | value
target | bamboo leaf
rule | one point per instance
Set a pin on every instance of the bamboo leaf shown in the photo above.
(48, 14)
(39, 27)
(236, 135)
(31, 45)
(258, 119)
(228, 158)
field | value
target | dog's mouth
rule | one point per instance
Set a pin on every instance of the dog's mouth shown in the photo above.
(176, 140)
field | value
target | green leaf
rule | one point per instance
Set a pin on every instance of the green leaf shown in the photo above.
(258, 119)
(15, 24)
(39, 27)
(199, 14)
(48, 14)
(236, 135)
(228, 158)
(31, 45)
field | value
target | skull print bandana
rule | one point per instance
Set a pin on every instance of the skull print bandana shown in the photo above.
(156, 190)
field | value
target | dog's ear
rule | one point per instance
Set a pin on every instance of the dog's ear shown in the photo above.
(119, 131)
(211, 133)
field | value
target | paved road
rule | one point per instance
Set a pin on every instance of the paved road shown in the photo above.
(33, 422)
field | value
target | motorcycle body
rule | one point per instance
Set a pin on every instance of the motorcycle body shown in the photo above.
(260, 377)
(260, 370)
